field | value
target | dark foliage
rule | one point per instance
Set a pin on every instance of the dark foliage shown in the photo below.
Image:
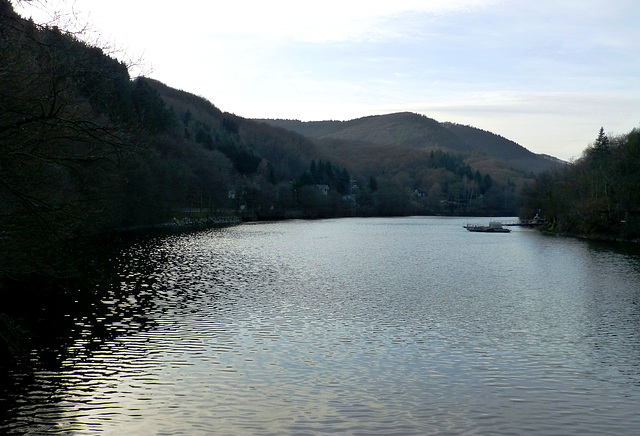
(597, 195)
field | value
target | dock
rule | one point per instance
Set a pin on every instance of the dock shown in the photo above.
(535, 222)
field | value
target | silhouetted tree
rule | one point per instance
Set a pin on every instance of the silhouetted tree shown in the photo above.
(372, 184)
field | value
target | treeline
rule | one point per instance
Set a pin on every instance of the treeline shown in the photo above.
(454, 188)
(597, 195)
(281, 171)
(327, 174)
(412, 181)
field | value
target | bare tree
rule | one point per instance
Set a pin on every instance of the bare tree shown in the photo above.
(62, 133)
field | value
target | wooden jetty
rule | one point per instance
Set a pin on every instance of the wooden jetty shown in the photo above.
(534, 222)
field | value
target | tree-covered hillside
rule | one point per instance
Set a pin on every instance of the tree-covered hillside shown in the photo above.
(87, 150)
(399, 149)
(405, 128)
(71, 122)
(597, 195)
(405, 180)
(504, 149)
(417, 131)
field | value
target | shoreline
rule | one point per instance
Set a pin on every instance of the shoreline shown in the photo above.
(594, 237)
(178, 224)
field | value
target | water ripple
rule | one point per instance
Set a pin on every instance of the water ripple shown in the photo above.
(360, 327)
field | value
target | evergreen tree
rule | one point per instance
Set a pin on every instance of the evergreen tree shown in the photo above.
(372, 184)
(313, 169)
(602, 141)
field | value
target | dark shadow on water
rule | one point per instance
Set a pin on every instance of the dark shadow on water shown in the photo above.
(626, 248)
(48, 325)
(44, 323)
(630, 251)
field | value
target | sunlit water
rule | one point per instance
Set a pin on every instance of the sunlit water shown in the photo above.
(354, 326)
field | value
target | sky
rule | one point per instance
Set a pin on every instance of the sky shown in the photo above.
(545, 74)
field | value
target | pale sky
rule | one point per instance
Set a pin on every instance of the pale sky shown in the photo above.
(546, 74)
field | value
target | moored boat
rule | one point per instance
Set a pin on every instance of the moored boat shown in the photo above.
(493, 227)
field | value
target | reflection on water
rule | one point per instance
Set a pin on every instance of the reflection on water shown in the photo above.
(361, 326)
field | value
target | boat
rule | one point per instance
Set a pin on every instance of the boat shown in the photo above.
(493, 227)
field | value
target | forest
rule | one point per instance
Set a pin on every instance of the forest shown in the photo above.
(596, 196)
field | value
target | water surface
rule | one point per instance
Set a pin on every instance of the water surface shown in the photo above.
(352, 326)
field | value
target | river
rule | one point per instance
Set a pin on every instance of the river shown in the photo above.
(352, 326)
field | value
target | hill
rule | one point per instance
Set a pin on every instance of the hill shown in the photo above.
(418, 131)
(405, 128)
(502, 148)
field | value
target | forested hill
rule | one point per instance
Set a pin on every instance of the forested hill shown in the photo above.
(86, 149)
(499, 147)
(364, 177)
(405, 128)
(414, 130)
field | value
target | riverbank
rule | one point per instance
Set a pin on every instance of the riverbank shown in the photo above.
(181, 224)
(599, 237)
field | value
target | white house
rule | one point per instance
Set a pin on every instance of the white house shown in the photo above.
(323, 188)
